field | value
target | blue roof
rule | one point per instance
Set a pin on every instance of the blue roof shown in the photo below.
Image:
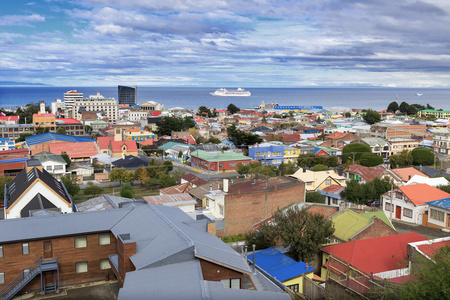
(278, 265)
(50, 136)
(442, 203)
(13, 160)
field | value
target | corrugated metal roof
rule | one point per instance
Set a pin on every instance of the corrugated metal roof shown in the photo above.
(50, 136)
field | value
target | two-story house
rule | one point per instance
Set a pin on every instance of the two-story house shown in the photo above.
(267, 153)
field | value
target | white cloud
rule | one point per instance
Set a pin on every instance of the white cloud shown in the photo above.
(20, 20)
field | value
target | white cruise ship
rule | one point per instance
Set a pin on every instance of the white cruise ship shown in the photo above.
(233, 93)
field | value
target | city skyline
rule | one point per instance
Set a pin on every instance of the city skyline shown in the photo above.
(257, 43)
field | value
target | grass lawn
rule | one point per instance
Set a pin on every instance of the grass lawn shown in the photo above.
(139, 191)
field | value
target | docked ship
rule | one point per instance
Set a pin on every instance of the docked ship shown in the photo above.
(232, 93)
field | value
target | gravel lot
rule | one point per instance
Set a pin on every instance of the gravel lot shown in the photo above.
(431, 233)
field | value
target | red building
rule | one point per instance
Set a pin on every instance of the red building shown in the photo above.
(218, 161)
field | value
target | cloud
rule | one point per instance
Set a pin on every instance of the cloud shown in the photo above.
(21, 20)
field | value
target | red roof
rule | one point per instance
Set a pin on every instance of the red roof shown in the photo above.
(103, 142)
(68, 120)
(74, 150)
(43, 115)
(421, 193)
(376, 254)
(369, 173)
(188, 138)
(117, 146)
(431, 250)
(9, 118)
(333, 189)
(147, 142)
(336, 135)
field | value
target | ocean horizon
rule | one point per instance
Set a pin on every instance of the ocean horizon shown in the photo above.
(193, 97)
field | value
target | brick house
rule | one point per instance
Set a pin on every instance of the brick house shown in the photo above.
(84, 247)
(218, 161)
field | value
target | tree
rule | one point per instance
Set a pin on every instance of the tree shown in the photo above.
(319, 167)
(309, 160)
(166, 180)
(93, 190)
(445, 188)
(348, 115)
(23, 136)
(117, 174)
(177, 174)
(169, 124)
(370, 160)
(286, 169)
(66, 158)
(26, 115)
(429, 279)
(239, 137)
(352, 152)
(127, 191)
(4, 180)
(141, 175)
(302, 233)
(87, 129)
(128, 176)
(403, 107)
(393, 107)
(404, 159)
(204, 111)
(168, 165)
(264, 238)
(213, 139)
(361, 193)
(233, 108)
(61, 130)
(315, 197)
(41, 130)
(70, 181)
(422, 156)
(372, 116)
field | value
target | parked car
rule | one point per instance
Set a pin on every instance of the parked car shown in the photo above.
(375, 203)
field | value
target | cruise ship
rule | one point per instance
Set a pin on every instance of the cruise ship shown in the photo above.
(233, 93)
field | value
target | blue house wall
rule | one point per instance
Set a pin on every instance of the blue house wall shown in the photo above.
(267, 154)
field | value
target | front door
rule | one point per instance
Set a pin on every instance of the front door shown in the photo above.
(48, 253)
(398, 212)
(448, 220)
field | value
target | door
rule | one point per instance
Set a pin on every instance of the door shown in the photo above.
(398, 212)
(448, 220)
(48, 253)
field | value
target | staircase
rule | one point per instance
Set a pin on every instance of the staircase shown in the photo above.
(37, 267)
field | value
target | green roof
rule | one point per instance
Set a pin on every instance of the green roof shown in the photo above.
(436, 111)
(219, 156)
(98, 122)
(349, 223)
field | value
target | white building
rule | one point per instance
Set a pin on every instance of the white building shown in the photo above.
(70, 97)
(97, 103)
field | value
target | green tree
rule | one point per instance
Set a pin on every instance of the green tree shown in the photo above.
(70, 181)
(239, 137)
(168, 165)
(66, 158)
(302, 233)
(169, 124)
(352, 152)
(61, 130)
(232, 109)
(127, 191)
(429, 279)
(319, 167)
(213, 139)
(117, 174)
(93, 190)
(204, 111)
(286, 169)
(445, 188)
(412, 110)
(166, 180)
(393, 107)
(177, 174)
(315, 197)
(41, 130)
(348, 115)
(4, 180)
(22, 137)
(87, 129)
(403, 107)
(264, 238)
(370, 160)
(404, 159)
(26, 115)
(422, 156)
(372, 116)
(141, 175)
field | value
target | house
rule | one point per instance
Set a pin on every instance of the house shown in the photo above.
(130, 162)
(12, 161)
(9, 120)
(409, 202)
(35, 189)
(71, 126)
(441, 141)
(218, 161)
(318, 180)
(379, 146)
(407, 173)
(176, 189)
(400, 144)
(439, 213)
(193, 180)
(374, 255)
(52, 163)
(397, 130)
(436, 182)
(178, 153)
(283, 268)
(183, 201)
(238, 204)
(363, 174)
(351, 226)
(291, 154)
(82, 247)
(115, 146)
(332, 195)
(6, 144)
(42, 142)
(267, 153)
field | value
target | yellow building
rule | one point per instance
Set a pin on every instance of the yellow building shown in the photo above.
(283, 268)
(43, 119)
(291, 154)
(319, 180)
(139, 135)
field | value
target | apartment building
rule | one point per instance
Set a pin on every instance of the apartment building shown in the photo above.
(96, 103)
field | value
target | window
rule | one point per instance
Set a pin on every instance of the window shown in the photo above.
(104, 239)
(398, 195)
(437, 215)
(231, 283)
(80, 242)
(233, 165)
(25, 249)
(221, 209)
(104, 264)
(2, 278)
(81, 267)
(388, 207)
(293, 287)
(407, 212)
(1, 251)
(328, 182)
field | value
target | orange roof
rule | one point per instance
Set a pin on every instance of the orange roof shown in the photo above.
(407, 173)
(421, 193)
(133, 130)
(336, 135)
(103, 142)
(117, 146)
(74, 150)
(147, 142)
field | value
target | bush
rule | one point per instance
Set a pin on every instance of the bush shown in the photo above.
(315, 197)
(422, 156)
(319, 167)
(371, 160)
(354, 151)
(127, 191)
(93, 190)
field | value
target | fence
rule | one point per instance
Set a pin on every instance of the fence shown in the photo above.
(312, 290)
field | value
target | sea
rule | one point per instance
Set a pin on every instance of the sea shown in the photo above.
(193, 97)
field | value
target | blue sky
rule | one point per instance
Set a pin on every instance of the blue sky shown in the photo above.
(226, 43)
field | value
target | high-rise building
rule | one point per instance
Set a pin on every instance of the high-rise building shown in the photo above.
(96, 103)
(127, 95)
(70, 97)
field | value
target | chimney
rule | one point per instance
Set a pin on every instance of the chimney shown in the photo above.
(409, 177)
(254, 268)
(210, 187)
(304, 170)
(307, 266)
(225, 185)
(420, 168)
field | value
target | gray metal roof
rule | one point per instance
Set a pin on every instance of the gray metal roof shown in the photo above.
(101, 203)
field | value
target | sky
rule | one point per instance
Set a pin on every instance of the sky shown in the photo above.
(226, 43)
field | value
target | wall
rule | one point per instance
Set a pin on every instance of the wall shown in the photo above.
(124, 252)
(213, 272)
(376, 229)
(244, 210)
(13, 262)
